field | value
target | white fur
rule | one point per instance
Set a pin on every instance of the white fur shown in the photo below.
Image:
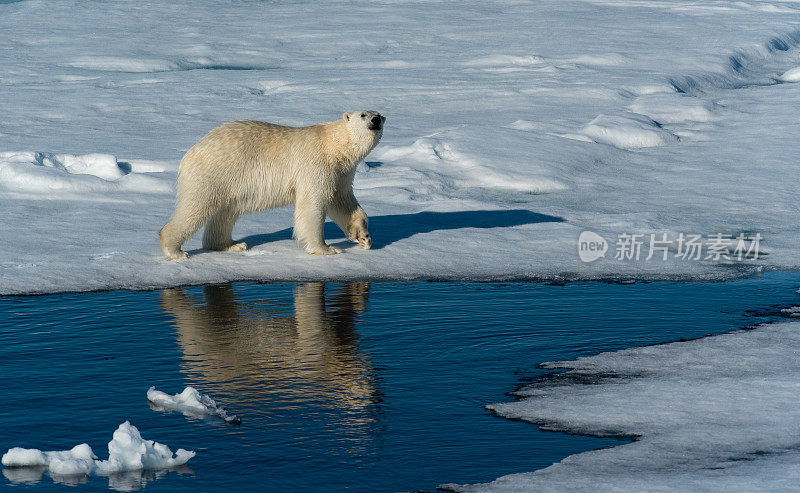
(247, 166)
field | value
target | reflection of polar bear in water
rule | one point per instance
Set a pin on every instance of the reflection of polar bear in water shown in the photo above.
(258, 351)
(248, 166)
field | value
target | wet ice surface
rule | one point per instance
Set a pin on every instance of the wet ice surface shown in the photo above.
(512, 127)
(377, 387)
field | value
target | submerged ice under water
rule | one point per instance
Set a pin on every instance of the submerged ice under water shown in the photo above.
(376, 387)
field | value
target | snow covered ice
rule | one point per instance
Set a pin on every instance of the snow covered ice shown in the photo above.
(512, 127)
(713, 414)
(127, 452)
(191, 403)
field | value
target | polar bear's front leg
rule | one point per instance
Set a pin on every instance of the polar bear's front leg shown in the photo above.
(309, 225)
(351, 218)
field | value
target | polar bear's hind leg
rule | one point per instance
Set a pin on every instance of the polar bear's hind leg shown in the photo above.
(183, 224)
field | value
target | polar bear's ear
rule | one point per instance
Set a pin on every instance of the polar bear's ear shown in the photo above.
(346, 117)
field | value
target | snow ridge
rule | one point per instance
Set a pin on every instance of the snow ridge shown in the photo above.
(759, 66)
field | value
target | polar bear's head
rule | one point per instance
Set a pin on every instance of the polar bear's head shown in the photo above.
(365, 125)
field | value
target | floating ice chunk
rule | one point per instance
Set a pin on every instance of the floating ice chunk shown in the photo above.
(77, 461)
(191, 403)
(631, 131)
(128, 451)
(791, 75)
(21, 457)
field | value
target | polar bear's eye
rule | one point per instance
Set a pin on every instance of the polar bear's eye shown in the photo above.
(363, 115)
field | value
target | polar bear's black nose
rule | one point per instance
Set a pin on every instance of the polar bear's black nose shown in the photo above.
(375, 123)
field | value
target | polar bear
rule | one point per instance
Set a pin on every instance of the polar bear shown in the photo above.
(247, 166)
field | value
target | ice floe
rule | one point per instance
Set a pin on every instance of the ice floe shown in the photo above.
(191, 403)
(713, 414)
(128, 451)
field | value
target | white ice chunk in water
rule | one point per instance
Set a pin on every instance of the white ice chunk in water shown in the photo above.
(128, 451)
(21, 457)
(77, 461)
(191, 403)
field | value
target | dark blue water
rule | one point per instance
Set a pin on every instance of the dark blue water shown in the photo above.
(358, 387)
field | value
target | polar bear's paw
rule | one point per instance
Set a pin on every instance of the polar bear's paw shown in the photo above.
(179, 255)
(360, 236)
(237, 247)
(323, 250)
(364, 240)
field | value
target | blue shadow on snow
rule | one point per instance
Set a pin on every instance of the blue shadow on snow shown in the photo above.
(390, 228)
